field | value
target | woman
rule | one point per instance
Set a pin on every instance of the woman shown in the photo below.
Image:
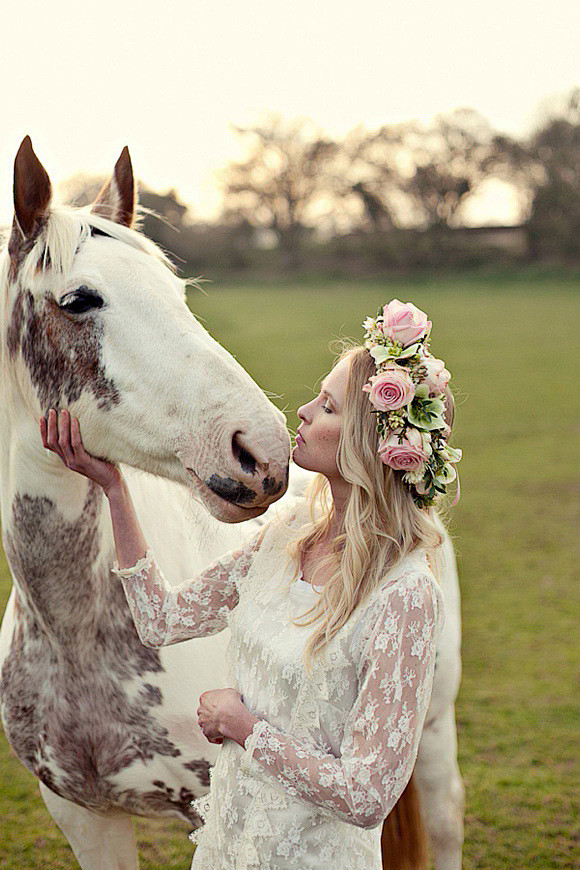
(334, 613)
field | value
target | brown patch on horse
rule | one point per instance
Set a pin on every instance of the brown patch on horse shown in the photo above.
(78, 688)
(116, 200)
(16, 325)
(404, 839)
(61, 352)
(42, 547)
(32, 196)
(201, 768)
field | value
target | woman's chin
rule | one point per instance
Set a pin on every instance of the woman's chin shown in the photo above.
(301, 461)
(296, 456)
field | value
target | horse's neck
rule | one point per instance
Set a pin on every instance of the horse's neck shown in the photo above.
(54, 531)
(58, 537)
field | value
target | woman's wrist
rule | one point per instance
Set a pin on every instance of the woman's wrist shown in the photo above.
(117, 489)
(130, 543)
(238, 724)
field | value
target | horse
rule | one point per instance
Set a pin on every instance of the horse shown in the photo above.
(94, 319)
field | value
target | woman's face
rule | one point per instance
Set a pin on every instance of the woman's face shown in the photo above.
(319, 432)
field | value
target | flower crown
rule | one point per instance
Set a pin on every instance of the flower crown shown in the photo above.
(406, 394)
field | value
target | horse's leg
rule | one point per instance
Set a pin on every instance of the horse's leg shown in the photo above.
(442, 791)
(98, 842)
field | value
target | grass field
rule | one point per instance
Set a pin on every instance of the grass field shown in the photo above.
(512, 345)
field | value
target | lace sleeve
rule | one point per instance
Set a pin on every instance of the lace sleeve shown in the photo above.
(164, 614)
(382, 732)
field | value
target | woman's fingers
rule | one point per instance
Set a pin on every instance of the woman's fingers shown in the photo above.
(211, 732)
(50, 437)
(61, 433)
(52, 431)
(75, 437)
(71, 442)
(78, 448)
(44, 432)
(64, 439)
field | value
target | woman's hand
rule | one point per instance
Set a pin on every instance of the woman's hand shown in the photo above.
(222, 713)
(62, 435)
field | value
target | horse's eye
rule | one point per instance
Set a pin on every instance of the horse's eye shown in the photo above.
(81, 300)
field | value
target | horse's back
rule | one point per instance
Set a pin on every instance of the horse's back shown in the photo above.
(448, 661)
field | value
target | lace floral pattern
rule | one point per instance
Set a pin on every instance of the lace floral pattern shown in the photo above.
(164, 615)
(382, 729)
(337, 742)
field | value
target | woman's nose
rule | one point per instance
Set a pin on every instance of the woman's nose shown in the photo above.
(302, 413)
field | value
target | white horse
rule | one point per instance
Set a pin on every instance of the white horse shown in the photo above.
(93, 320)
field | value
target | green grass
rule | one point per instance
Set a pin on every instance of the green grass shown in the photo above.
(512, 346)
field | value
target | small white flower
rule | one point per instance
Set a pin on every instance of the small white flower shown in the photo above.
(413, 477)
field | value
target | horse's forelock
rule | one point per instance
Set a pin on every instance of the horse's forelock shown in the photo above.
(130, 236)
(56, 246)
(63, 234)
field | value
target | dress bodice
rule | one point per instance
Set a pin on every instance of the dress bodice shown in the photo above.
(337, 741)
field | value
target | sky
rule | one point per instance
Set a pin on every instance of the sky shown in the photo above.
(170, 78)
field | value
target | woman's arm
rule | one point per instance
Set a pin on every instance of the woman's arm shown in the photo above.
(162, 614)
(165, 615)
(382, 732)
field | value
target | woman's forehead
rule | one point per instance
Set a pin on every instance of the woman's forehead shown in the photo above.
(335, 381)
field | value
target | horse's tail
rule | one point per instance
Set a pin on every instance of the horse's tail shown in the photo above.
(404, 839)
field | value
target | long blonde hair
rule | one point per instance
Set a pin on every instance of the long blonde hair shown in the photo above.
(382, 522)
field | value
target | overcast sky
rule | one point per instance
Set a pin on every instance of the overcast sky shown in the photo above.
(169, 78)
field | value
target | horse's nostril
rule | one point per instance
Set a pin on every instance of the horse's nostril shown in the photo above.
(244, 457)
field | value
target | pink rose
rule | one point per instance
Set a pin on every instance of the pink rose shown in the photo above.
(437, 376)
(408, 455)
(391, 389)
(404, 322)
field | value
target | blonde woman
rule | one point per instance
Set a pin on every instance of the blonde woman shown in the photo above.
(334, 611)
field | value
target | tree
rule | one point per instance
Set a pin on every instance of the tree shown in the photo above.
(546, 168)
(422, 176)
(554, 224)
(372, 177)
(278, 185)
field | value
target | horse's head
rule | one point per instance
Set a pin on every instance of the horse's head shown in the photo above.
(95, 321)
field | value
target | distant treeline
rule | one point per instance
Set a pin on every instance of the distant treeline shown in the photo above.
(392, 198)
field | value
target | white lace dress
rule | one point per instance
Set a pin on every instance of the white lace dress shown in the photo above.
(336, 744)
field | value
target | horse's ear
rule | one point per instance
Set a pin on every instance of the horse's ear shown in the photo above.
(117, 200)
(32, 195)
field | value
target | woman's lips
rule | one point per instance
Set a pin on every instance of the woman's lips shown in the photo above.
(299, 439)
